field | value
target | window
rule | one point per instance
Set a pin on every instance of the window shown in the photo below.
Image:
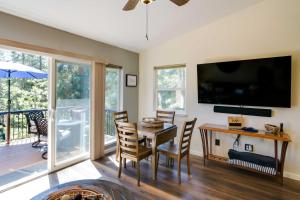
(113, 100)
(170, 88)
(113, 88)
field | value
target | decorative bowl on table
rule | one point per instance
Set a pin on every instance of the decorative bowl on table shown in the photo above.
(78, 193)
(152, 122)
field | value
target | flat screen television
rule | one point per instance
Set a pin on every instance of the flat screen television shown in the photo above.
(256, 82)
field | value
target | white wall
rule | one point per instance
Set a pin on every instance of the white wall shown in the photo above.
(269, 28)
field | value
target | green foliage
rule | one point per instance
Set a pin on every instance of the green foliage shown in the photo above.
(25, 93)
(112, 89)
(170, 85)
(72, 81)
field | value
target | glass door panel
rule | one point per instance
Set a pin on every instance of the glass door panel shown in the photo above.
(72, 111)
(112, 102)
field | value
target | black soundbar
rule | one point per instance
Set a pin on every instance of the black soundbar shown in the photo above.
(243, 111)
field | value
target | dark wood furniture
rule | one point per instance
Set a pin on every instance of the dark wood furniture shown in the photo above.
(31, 118)
(179, 151)
(122, 116)
(207, 130)
(157, 136)
(165, 116)
(129, 146)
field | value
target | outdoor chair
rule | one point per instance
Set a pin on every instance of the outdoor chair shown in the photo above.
(31, 118)
(42, 128)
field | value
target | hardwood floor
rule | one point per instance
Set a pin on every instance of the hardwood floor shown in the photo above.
(215, 181)
(212, 182)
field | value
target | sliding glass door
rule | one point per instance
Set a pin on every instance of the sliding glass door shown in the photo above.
(113, 101)
(71, 112)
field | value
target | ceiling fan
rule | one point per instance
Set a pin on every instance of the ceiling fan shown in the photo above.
(131, 4)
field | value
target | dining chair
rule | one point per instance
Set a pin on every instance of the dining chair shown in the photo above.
(165, 116)
(129, 147)
(179, 151)
(122, 116)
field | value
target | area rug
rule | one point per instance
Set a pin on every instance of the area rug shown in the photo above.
(112, 190)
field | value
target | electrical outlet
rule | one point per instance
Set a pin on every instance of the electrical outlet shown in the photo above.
(249, 147)
(217, 142)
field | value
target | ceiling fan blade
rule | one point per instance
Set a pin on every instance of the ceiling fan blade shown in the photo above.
(130, 5)
(180, 2)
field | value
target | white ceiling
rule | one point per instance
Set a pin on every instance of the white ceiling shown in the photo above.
(104, 20)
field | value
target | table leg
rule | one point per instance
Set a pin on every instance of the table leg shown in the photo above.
(154, 159)
(210, 142)
(276, 154)
(206, 144)
(202, 133)
(282, 159)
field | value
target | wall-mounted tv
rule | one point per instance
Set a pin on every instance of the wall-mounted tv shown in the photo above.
(256, 82)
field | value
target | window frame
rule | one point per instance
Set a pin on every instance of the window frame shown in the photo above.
(155, 88)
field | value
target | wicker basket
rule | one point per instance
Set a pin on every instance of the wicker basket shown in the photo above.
(73, 191)
(151, 122)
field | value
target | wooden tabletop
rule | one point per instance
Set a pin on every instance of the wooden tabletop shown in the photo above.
(259, 134)
(151, 132)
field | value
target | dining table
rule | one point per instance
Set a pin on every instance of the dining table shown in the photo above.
(158, 136)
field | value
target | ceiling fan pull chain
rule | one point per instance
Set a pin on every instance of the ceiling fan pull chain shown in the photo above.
(147, 22)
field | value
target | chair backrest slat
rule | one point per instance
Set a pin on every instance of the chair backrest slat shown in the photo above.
(127, 142)
(186, 136)
(166, 116)
(121, 116)
(127, 137)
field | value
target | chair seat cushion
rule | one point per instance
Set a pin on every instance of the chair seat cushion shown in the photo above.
(168, 148)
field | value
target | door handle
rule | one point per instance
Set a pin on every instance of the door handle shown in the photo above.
(52, 114)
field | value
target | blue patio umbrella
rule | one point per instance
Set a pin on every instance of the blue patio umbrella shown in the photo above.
(15, 70)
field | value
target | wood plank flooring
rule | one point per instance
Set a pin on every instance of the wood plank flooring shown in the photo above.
(212, 182)
(215, 181)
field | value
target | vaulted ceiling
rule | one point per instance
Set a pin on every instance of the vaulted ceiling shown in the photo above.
(104, 20)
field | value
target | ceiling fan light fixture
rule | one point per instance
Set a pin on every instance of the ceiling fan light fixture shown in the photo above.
(147, 1)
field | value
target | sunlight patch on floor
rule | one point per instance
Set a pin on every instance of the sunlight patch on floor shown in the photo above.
(84, 170)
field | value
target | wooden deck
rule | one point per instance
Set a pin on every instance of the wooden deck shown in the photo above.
(19, 159)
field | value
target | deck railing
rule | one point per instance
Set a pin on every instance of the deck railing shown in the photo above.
(19, 127)
(18, 124)
(109, 127)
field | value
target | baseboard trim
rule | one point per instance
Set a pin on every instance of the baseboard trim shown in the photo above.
(290, 175)
(196, 153)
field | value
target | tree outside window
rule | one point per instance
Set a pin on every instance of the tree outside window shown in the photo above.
(170, 88)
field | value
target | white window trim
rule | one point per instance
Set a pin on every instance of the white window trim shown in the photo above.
(155, 89)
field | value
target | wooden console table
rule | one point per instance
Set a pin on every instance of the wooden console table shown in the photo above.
(207, 130)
